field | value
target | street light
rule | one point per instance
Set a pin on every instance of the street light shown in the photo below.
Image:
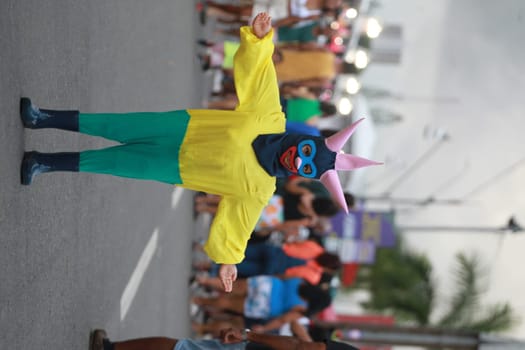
(345, 106)
(512, 226)
(373, 28)
(351, 13)
(429, 200)
(352, 85)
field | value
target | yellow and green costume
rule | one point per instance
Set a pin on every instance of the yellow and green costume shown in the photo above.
(203, 150)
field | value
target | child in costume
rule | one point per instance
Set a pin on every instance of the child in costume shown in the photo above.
(235, 154)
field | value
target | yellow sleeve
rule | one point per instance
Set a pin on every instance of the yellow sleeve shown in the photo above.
(254, 73)
(231, 228)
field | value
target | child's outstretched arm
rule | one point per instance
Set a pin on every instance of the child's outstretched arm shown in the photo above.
(254, 73)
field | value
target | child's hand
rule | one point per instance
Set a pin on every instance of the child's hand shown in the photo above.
(262, 23)
(231, 335)
(227, 274)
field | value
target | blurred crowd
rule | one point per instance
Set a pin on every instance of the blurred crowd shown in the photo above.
(287, 276)
(310, 38)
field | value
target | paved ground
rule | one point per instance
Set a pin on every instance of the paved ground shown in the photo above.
(70, 243)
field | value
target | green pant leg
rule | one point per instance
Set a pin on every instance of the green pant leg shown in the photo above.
(137, 161)
(135, 127)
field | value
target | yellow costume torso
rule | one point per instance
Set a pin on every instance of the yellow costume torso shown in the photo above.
(217, 155)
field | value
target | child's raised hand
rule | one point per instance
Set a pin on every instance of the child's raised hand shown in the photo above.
(262, 23)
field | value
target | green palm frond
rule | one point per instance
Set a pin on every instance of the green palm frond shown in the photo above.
(498, 317)
(401, 285)
(466, 297)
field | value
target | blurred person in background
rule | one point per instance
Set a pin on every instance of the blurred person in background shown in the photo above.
(214, 327)
(269, 301)
(306, 259)
(230, 339)
(283, 12)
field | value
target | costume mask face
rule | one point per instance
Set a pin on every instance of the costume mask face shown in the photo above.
(300, 159)
(307, 156)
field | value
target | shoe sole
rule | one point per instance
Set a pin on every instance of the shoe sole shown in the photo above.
(24, 180)
(25, 103)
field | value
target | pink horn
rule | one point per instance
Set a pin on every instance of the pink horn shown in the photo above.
(330, 180)
(338, 140)
(345, 161)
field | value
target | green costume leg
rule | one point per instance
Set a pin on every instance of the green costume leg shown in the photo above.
(137, 161)
(151, 144)
(136, 127)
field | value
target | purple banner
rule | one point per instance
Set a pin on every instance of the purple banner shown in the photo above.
(351, 250)
(361, 225)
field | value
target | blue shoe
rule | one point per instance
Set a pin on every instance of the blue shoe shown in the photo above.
(30, 168)
(36, 118)
(29, 114)
(35, 163)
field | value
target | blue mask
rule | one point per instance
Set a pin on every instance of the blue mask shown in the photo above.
(304, 162)
(293, 154)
